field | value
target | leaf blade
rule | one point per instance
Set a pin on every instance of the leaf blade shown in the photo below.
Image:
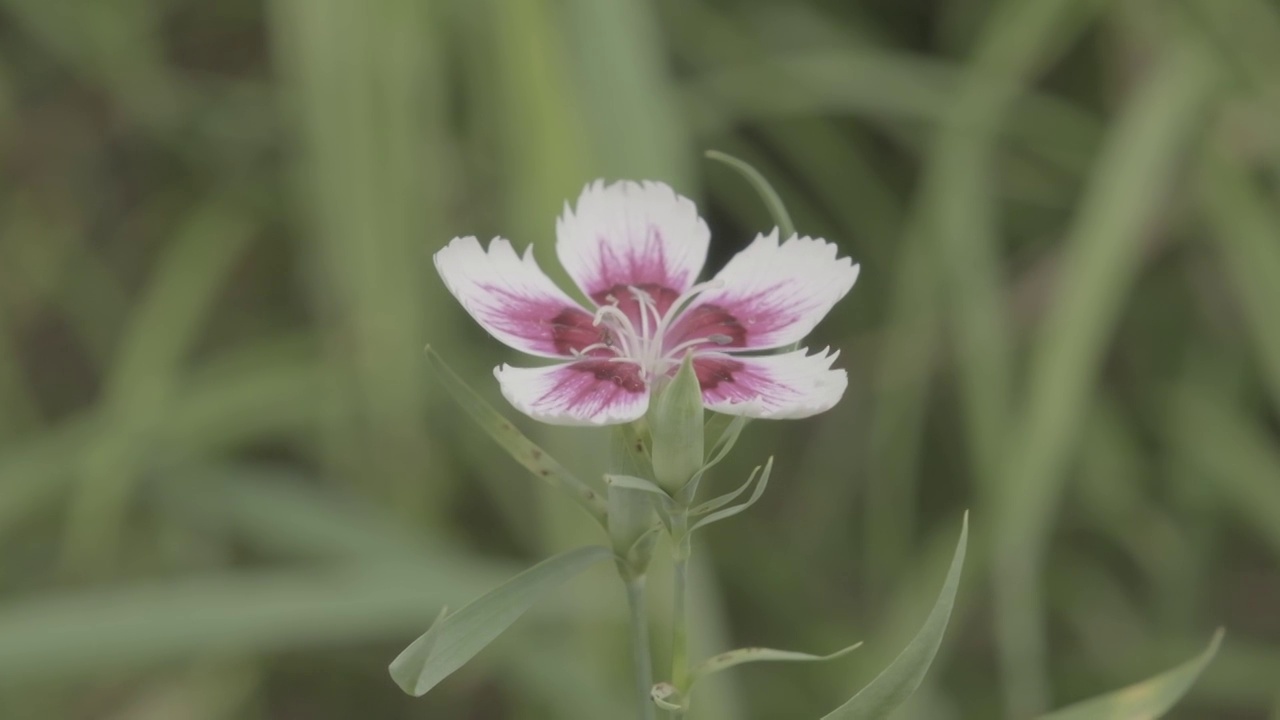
(742, 656)
(1145, 700)
(897, 682)
(522, 449)
(456, 638)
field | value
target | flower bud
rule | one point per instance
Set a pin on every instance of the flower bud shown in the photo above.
(675, 423)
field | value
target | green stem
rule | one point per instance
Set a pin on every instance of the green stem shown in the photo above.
(679, 612)
(640, 645)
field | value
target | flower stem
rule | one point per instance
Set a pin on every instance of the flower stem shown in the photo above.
(640, 645)
(679, 612)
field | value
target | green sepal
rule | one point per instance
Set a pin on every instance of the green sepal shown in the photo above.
(631, 502)
(660, 501)
(456, 638)
(675, 427)
(1146, 700)
(891, 688)
(741, 656)
(533, 458)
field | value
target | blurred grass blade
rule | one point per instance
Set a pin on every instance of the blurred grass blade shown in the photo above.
(456, 638)
(248, 398)
(961, 214)
(283, 512)
(854, 83)
(777, 209)
(146, 372)
(103, 632)
(1102, 258)
(741, 656)
(617, 68)
(1246, 230)
(1238, 457)
(897, 682)
(1147, 700)
(532, 457)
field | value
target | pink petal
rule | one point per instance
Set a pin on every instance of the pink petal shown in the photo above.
(790, 385)
(770, 295)
(514, 300)
(632, 234)
(586, 392)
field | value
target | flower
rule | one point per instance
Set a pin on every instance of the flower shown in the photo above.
(636, 250)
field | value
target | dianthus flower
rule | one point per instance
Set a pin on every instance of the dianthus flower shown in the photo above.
(635, 250)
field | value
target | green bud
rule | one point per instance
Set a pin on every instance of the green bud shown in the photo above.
(676, 426)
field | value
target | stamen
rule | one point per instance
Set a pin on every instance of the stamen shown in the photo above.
(644, 300)
(677, 306)
(685, 346)
(620, 324)
(597, 346)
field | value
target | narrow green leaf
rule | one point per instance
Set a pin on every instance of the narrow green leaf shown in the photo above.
(533, 458)
(741, 656)
(897, 682)
(735, 509)
(725, 441)
(456, 638)
(716, 503)
(776, 208)
(1147, 700)
(728, 437)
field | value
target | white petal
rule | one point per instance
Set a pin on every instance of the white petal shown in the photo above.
(513, 299)
(586, 392)
(769, 295)
(790, 385)
(627, 233)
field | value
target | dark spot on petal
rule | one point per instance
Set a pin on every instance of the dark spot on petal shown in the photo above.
(713, 371)
(623, 374)
(572, 331)
(705, 321)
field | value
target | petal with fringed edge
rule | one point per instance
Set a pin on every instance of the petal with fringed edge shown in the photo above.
(628, 234)
(514, 300)
(585, 392)
(790, 385)
(769, 295)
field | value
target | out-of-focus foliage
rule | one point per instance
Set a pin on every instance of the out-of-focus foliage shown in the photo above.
(230, 487)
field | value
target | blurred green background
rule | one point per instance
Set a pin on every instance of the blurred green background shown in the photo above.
(230, 487)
